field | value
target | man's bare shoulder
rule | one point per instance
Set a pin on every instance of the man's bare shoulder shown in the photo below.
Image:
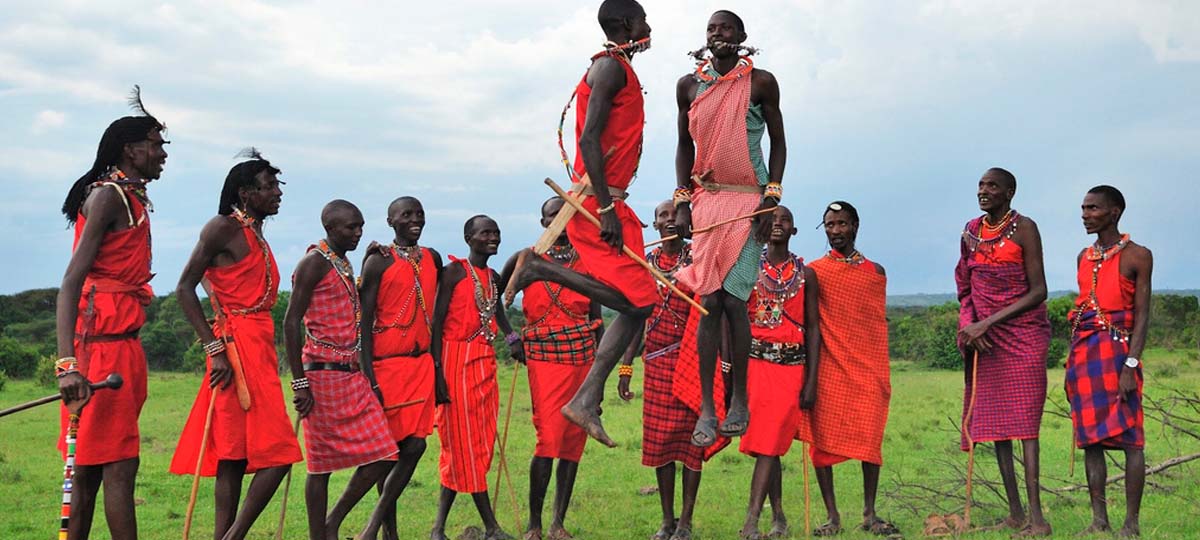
(763, 76)
(103, 202)
(220, 227)
(879, 269)
(1139, 252)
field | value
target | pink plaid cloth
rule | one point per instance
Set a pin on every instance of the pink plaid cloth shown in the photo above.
(1012, 377)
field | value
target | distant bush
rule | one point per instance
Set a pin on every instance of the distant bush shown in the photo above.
(3, 379)
(46, 376)
(17, 359)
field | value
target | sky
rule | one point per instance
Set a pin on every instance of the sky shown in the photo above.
(897, 107)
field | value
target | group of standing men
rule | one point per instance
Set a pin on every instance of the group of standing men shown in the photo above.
(377, 364)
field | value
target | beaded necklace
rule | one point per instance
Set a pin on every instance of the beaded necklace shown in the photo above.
(563, 254)
(412, 255)
(485, 303)
(854, 259)
(744, 66)
(346, 272)
(684, 258)
(989, 227)
(1007, 227)
(1098, 254)
(247, 221)
(773, 291)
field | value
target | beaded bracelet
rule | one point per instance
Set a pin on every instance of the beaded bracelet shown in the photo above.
(611, 206)
(300, 384)
(214, 347)
(625, 370)
(773, 191)
(65, 366)
(682, 195)
(512, 338)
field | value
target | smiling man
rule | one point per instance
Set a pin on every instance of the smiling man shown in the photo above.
(1004, 335)
(235, 259)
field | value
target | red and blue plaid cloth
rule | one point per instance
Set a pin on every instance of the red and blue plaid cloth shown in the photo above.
(561, 344)
(1093, 373)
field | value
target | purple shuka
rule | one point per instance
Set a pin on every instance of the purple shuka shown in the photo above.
(1012, 377)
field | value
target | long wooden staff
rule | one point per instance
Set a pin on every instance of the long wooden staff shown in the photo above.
(626, 250)
(191, 507)
(502, 465)
(703, 230)
(970, 442)
(287, 486)
(114, 382)
(231, 353)
(807, 498)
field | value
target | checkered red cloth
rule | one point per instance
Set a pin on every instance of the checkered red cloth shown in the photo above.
(717, 124)
(1093, 372)
(854, 386)
(667, 422)
(332, 320)
(685, 385)
(1011, 389)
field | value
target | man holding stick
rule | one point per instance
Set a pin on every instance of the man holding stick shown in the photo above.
(399, 288)
(101, 306)
(724, 109)
(344, 425)
(608, 124)
(1104, 373)
(235, 259)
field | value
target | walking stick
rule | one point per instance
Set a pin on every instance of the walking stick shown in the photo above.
(114, 382)
(502, 466)
(287, 486)
(191, 507)
(703, 230)
(807, 498)
(626, 250)
(970, 442)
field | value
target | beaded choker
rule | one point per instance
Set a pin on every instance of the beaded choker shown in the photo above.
(1096, 252)
(411, 253)
(1007, 227)
(628, 48)
(563, 254)
(744, 67)
(854, 259)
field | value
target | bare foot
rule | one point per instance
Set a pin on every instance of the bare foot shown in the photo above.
(1033, 530)
(1129, 531)
(532, 534)
(1096, 527)
(779, 528)
(585, 417)
(558, 533)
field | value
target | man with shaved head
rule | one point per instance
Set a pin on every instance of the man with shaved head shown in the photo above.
(1004, 335)
(1104, 374)
(344, 425)
(399, 287)
(725, 107)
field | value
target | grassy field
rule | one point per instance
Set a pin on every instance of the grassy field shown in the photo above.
(921, 440)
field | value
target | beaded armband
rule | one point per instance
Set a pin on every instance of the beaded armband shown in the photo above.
(611, 206)
(300, 384)
(65, 366)
(512, 338)
(773, 191)
(214, 347)
(625, 370)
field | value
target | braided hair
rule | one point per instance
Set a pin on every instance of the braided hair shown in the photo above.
(123, 131)
(242, 176)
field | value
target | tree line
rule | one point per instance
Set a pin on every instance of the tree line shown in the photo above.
(919, 334)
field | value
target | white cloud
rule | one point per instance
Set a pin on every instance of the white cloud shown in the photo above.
(47, 120)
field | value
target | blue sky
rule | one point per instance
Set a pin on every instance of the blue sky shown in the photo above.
(896, 107)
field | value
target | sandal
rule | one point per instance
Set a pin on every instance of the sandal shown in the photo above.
(705, 434)
(664, 533)
(828, 528)
(532, 534)
(880, 527)
(682, 534)
(735, 423)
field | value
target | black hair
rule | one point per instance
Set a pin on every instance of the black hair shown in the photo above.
(1112, 194)
(241, 176)
(841, 206)
(741, 26)
(400, 200)
(613, 14)
(123, 131)
(550, 200)
(471, 223)
(1007, 176)
(333, 207)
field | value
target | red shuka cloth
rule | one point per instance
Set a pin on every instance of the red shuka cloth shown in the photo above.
(555, 313)
(1011, 392)
(117, 288)
(403, 365)
(623, 136)
(467, 425)
(346, 427)
(263, 435)
(717, 124)
(685, 385)
(1098, 353)
(773, 390)
(854, 388)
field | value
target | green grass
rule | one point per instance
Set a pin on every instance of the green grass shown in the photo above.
(606, 503)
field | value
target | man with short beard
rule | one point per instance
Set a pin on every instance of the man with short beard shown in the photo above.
(725, 107)
(1004, 335)
(344, 425)
(101, 306)
(399, 287)
(854, 389)
(234, 258)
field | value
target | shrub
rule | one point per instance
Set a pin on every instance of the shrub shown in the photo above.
(3, 379)
(17, 359)
(46, 376)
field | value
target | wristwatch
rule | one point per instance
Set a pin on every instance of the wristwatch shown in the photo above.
(1132, 362)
